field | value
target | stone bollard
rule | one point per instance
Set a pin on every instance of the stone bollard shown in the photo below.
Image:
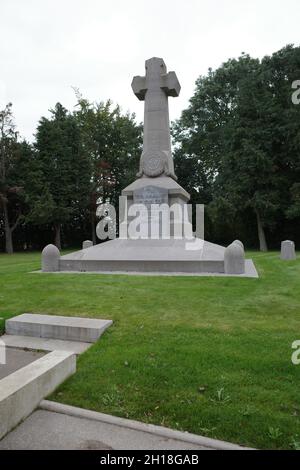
(288, 250)
(239, 243)
(234, 259)
(50, 259)
(87, 244)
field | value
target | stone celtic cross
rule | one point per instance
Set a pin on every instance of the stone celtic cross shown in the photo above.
(154, 89)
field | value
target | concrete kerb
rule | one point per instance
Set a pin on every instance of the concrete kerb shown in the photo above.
(138, 426)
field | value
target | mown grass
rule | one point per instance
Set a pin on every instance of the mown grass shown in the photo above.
(209, 355)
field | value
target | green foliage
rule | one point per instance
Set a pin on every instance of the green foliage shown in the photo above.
(79, 159)
(15, 167)
(112, 141)
(242, 130)
(65, 166)
(65, 171)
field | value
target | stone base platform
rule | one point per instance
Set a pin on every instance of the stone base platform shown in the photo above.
(175, 256)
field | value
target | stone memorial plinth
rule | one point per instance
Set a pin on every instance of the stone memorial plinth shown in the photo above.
(155, 205)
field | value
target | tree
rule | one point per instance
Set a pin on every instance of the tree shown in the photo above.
(11, 190)
(242, 128)
(112, 141)
(65, 172)
(280, 71)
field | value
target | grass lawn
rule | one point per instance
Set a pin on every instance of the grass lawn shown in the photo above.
(207, 355)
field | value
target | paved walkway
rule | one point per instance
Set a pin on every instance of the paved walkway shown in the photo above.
(17, 358)
(58, 426)
(49, 430)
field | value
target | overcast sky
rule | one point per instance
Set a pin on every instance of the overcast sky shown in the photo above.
(48, 46)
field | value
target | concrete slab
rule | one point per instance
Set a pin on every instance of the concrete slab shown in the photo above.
(57, 327)
(43, 344)
(16, 359)
(46, 430)
(22, 391)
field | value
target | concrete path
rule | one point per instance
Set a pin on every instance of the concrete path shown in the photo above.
(16, 359)
(75, 428)
(49, 430)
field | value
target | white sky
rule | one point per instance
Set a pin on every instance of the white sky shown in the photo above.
(48, 46)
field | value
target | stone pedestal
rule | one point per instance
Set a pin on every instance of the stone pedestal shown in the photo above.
(161, 202)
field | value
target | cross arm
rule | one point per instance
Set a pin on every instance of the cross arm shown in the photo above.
(139, 88)
(171, 85)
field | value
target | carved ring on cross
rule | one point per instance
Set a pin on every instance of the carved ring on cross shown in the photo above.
(153, 164)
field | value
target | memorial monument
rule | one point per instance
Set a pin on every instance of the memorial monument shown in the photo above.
(166, 243)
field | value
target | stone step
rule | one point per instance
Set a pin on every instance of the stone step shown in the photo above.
(87, 330)
(44, 344)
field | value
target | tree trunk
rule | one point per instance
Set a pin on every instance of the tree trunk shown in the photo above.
(8, 232)
(261, 234)
(57, 236)
(93, 228)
